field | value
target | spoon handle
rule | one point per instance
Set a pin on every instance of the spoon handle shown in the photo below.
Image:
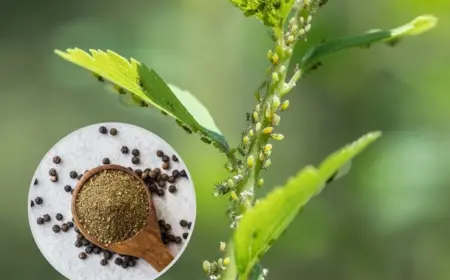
(158, 256)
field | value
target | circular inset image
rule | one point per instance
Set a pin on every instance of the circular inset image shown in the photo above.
(112, 201)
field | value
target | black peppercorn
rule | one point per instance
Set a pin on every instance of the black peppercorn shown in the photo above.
(172, 189)
(70, 224)
(168, 227)
(106, 161)
(73, 174)
(64, 227)
(80, 236)
(171, 238)
(56, 160)
(164, 177)
(129, 168)
(144, 176)
(107, 255)
(183, 223)
(161, 223)
(165, 158)
(127, 258)
(157, 170)
(118, 261)
(113, 132)
(47, 218)
(67, 188)
(171, 179)
(124, 264)
(82, 256)
(135, 152)
(135, 160)
(103, 130)
(89, 250)
(32, 203)
(38, 200)
(52, 172)
(189, 225)
(178, 240)
(185, 235)
(131, 263)
(153, 188)
(85, 242)
(124, 150)
(165, 241)
(138, 172)
(165, 166)
(175, 158)
(97, 250)
(54, 179)
(78, 243)
(183, 173)
(161, 184)
(76, 230)
(159, 153)
(56, 228)
(59, 216)
(40, 221)
(103, 262)
(160, 192)
(176, 173)
(79, 176)
(35, 182)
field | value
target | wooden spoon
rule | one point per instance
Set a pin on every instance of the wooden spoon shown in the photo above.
(146, 244)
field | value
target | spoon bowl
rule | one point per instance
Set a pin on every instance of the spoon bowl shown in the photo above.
(146, 244)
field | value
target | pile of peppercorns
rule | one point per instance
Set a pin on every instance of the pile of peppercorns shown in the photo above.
(155, 179)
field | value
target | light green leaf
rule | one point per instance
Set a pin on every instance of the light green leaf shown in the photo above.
(148, 88)
(417, 26)
(267, 220)
(273, 13)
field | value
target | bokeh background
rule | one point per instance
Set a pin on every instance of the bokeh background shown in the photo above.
(388, 219)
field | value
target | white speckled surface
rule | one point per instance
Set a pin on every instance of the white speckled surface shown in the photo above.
(84, 149)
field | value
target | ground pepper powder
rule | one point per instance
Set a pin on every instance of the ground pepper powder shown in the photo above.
(112, 206)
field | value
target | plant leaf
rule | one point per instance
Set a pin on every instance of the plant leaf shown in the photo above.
(148, 88)
(271, 12)
(417, 26)
(267, 220)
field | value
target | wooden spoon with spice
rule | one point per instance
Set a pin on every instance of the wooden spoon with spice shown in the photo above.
(113, 209)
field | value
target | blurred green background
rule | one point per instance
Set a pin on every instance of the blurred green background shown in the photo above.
(389, 219)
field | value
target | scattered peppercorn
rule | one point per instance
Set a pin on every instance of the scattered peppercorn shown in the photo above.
(52, 172)
(160, 192)
(124, 150)
(76, 230)
(73, 174)
(124, 264)
(153, 188)
(56, 228)
(131, 263)
(165, 165)
(183, 223)
(165, 158)
(47, 218)
(172, 189)
(159, 153)
(168, 227)
(171, 238)
(56, 160)
(35, 182)
(80, 236)
(32, 203)
(103, 130)
(171, 179)
(135, 160)
(176, 173)
(38, 200)
(178, 240)
(85, 242)
(183, 173)
(165, 241)
(138, 172)
(185, 235)
(40, 221)
(97, 250)
(189, 225)
(82, 256)
(59, 217)
(103, 262)
(129, 168)
(79, 176)
(135, 152)
(106, 161)
(54, 179)
(64, 227)
(70, 224)
(107, 255)
(89, 249)
(78, 243)
(113, 132)
(67, 188)
(118, 261)
(162, 223)
(175, 158)
(164, 177)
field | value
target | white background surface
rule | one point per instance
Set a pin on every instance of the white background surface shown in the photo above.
(82, 150)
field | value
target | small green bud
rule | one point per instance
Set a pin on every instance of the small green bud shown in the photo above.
(230, 183)
(255, 115)
(268, 153)
(276, 120)
(294, 28)
(206, 266)
(290, 39)
(301, 32)
(260, 182)
(250, 161)
(226, 261)
(267, 163)
(268, 112)
(275, 58)
(270, 55)
(245, 140)
(307, 27)
(277, 136)
(258, 108)
(251, 133)
(220, 261)
(258, 126)
(285, 105)
(282, 69)
(309, 19)
(275, 103)
(222, 247)
(267, 130)
(289, 52)
(234, 196)
(275, 77)
(261, 156)
(267, 148)
(216, 194)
